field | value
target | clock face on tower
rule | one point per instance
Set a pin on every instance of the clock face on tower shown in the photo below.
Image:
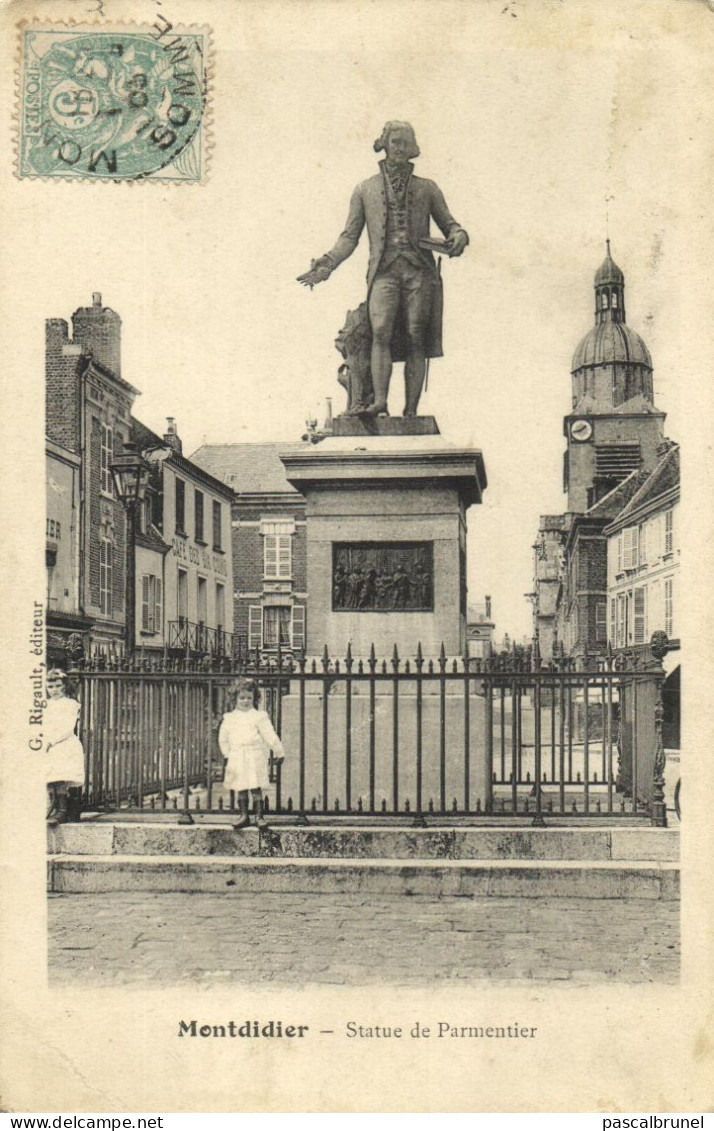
(581, 430)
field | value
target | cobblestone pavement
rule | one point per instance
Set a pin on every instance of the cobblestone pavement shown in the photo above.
(124, 938)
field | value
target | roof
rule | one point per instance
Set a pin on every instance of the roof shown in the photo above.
(104, 371)
(145, 438)
(637, 405)
(248, 469)
(152, 540)
(610, 505)
(661, 480)
(608, 271)
(609, 342)
(476, 615)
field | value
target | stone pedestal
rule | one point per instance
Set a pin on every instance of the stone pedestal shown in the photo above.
(384, 426)
(386, 537)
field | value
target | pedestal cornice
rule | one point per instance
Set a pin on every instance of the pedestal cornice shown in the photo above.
(364, 459)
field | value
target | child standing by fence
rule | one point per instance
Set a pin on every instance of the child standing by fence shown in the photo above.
(64, 764)
(246, 737)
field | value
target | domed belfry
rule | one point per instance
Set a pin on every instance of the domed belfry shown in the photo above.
(614, 427)
(612, 364)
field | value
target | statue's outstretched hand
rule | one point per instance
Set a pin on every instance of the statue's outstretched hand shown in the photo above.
(320, 269)
(456, 242)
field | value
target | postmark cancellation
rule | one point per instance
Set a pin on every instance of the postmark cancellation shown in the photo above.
(104, 102)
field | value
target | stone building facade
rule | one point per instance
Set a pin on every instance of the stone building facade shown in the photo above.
(643, 551)
(643, 562)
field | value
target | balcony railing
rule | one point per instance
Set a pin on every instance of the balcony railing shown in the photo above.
(197, 639)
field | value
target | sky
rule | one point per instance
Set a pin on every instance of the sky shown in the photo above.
(526, 139)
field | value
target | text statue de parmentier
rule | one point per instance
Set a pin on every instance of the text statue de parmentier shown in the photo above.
(404, 293)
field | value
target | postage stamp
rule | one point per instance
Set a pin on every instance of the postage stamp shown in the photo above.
(113, 103)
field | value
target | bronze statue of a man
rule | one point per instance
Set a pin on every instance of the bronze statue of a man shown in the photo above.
(404, 296)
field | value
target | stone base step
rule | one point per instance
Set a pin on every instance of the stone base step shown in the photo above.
(340, 842)
(233, 875)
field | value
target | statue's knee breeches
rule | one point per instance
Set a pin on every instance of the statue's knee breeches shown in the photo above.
(384, 300)
(415, 334)
(419, 293)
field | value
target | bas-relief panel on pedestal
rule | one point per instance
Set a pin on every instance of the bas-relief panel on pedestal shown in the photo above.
(382, 577)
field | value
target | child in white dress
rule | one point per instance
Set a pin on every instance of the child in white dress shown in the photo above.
(64, 759)
(246, 737)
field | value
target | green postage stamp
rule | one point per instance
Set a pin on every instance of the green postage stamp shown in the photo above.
(107, 103)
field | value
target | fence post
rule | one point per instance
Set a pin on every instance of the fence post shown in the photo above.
(419, 821)
(185, 818)
(659, 646)
(538, 821)
(302, 816)
(488, 784)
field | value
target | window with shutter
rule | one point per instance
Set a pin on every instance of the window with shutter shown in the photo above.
(107, 457)
(669, 606)
(668, 531)
(180, 505)
(299, 628)
(284, 556)
(642, 552)
(182, 596)
(655, 609)
(640, 615)
(613, 621)
(255, 627)
(145, 616)
(220, 606)
(601, 622)
(621, 620)
(106, 572)
(276, 626)
(158, 606)
(198, 516)
(151, 603)
(270, 556)
(630, 547)
(217, 534)
(202, 600)
(277, 556)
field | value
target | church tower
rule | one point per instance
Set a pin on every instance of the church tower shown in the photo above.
(614, 427)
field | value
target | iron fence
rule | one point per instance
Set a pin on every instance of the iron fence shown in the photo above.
(419, 739)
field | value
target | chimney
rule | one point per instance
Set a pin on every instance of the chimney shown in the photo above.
(98, 330)
(171, 436)
(56, 334)
(488, 608)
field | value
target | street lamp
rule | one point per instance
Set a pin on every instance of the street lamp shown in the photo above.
(130, 473)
